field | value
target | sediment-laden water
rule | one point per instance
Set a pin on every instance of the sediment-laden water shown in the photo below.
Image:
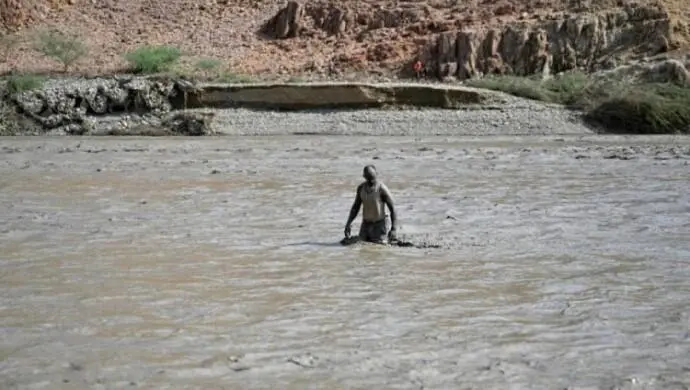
(214, 263)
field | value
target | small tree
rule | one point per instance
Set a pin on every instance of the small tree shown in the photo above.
(153, 59)
(60, 46)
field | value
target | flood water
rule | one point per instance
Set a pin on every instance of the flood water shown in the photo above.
(214, 263)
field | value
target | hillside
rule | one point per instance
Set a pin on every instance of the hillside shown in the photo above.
(340, 38)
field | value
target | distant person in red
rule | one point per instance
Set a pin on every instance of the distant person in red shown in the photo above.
(418, 68)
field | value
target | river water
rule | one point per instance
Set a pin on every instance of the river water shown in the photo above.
(214, 263)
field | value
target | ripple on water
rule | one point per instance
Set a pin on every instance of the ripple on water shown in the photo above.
(556, 271)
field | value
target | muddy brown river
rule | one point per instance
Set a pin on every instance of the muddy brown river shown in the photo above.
(214, 263)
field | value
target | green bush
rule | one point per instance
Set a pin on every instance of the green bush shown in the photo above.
(568, 88)
(153, 59)
(23, 82)
(645, 109)
(514, 85)
(60, 46)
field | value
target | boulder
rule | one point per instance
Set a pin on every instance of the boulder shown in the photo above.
(189, 123)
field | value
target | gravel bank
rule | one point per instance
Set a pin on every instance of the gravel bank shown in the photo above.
(497, 114)
(515, 117)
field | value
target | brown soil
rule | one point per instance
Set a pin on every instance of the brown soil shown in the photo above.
(333, 39)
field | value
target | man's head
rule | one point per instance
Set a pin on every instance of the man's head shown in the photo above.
(370, 174)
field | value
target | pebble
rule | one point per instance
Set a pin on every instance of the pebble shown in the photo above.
(521, 117)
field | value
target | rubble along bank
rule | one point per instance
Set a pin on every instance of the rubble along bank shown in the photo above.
(159, 106)
(77, 107)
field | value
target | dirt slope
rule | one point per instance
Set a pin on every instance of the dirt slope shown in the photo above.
(336, 38)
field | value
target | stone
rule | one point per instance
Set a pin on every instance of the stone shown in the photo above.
(286, 23)
(669, 71)
(31, 102)
(189, 123)
(64, 104)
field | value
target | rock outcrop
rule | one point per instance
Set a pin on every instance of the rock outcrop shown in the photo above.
(661, 70)
(177, 123)
(586, 42)
(504, 38)
(67, 105)
(323, 19)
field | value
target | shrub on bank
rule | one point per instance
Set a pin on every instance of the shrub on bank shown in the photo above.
(647, 109)
(568, 88)
(11, 122)
(644, 108)
(525, 87)
(60, 46)
(22, 82)
(153, 59)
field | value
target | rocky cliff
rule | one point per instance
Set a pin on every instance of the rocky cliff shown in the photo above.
(336, 38)
(458, 48)
(588, 42)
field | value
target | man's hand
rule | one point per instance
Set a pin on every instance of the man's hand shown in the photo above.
(348, 230)
(392, 234)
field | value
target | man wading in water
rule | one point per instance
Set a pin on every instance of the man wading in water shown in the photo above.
(374, 196)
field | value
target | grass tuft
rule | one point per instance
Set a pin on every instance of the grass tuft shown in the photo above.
(23, 82)
(153, 59)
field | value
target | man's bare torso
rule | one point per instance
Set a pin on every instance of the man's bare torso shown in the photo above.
(373, 206)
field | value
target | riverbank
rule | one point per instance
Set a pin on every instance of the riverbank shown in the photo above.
(648, 99)
(163, 105)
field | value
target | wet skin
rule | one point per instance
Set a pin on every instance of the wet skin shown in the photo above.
(370, 176)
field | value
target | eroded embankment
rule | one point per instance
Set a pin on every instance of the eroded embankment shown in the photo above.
(152, 105)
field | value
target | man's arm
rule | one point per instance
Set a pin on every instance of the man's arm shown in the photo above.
(355, 207)
(388, 200)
